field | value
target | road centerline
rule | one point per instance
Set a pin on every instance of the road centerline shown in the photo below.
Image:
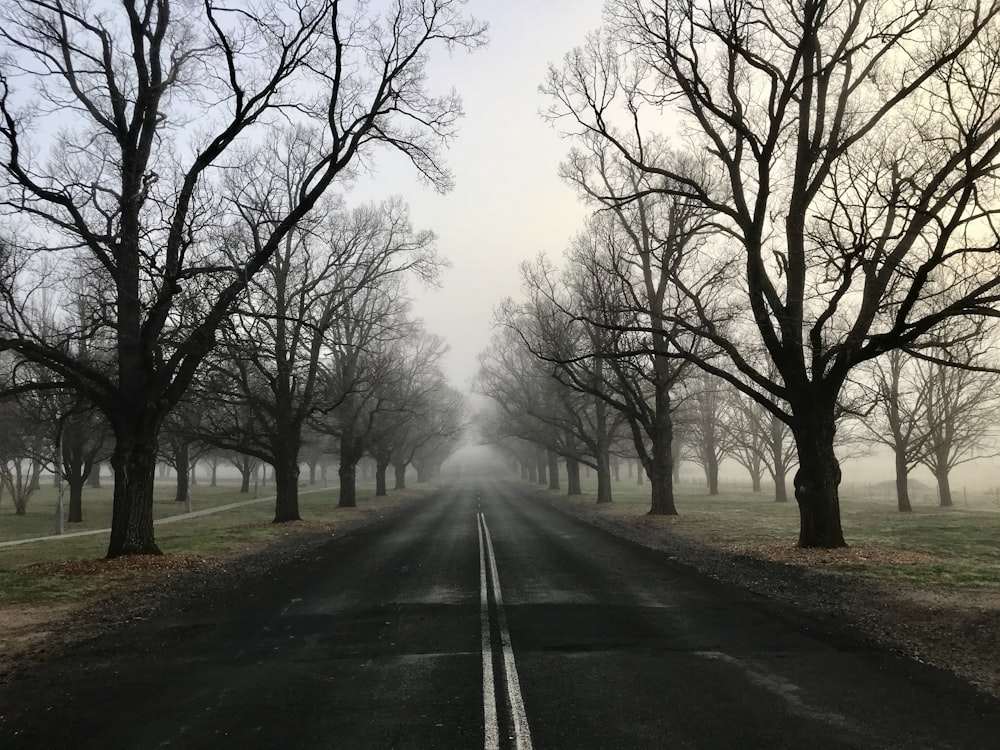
(515, 701)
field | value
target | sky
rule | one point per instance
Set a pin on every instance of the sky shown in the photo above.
(508, 203)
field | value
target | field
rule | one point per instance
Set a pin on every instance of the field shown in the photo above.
(958, 546)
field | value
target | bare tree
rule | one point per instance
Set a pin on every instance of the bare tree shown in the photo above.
(290, 319)
(960, 422)
(144, 105)
(852, 151)
(897, 418)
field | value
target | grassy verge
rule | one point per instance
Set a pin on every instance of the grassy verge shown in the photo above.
(71, 570)
(954, 548)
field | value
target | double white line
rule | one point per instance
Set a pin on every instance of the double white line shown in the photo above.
(515, 702)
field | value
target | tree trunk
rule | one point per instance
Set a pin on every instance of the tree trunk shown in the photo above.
(245, 480)
(194, 471)
(215, 473)
(312, 472)
(640, 470)
(348, 485)
(134, 463)
(181, 455)
(818, 477)
(902, 483)
(381, 467)
(712, 473)
(425, 472)
(661, 458)
(573, 477)
(553, 470)
(778, 461)
(286, 485)
(944, 486)
(755, 481)
(399, 475)
(95, 476)
(76, 484)
(603, 477)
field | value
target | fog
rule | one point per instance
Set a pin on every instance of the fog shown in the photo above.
(508, 203)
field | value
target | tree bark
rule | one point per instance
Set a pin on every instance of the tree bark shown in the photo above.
(381, 468)
(661, 455)
(95, 476)
(399, 475)
(134, 463)
(348, 485)
(286, 486)
(712, 472)
(573, 477)
(944, 486)
(604, 495)
(76, 484)
(553, 470)
(902, 483)
(817, 480)
(778, 461)
(540, 462)
(181, 456)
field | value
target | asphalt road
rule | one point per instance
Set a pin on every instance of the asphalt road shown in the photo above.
(480, 618)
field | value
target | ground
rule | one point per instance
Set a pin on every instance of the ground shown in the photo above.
(954, 629)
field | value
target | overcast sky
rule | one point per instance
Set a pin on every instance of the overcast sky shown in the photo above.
(508, 203)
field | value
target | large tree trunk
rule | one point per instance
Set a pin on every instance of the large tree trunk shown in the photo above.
(755, 480)
(76, 484)
(95, 476)
(181, 455)
(603, 478)
(350, 455)
(286, 486)
(902, 481)
(348, 485)
(540, 462)
(573, 477)
(245, 479)
(399, 475)
(661, 455)
(134, 463)
(817, 480)
(553, 470)
(944, 485)
(381, 468)
(712, 472)
(778, 461)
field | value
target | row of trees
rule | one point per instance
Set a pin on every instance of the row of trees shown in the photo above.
(158, 157)
(926, 413)
(829, 199)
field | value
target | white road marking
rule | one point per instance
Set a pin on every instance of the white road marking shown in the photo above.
(492, 729)
(519, 717)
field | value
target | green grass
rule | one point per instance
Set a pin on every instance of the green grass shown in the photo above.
(964, 541)
(25, 577)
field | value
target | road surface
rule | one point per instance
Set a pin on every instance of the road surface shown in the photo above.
(481, 618)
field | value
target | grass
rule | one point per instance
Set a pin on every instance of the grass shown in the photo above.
(955, 547)
(33, 574)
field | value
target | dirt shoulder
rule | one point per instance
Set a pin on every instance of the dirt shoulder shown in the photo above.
(954, 628)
